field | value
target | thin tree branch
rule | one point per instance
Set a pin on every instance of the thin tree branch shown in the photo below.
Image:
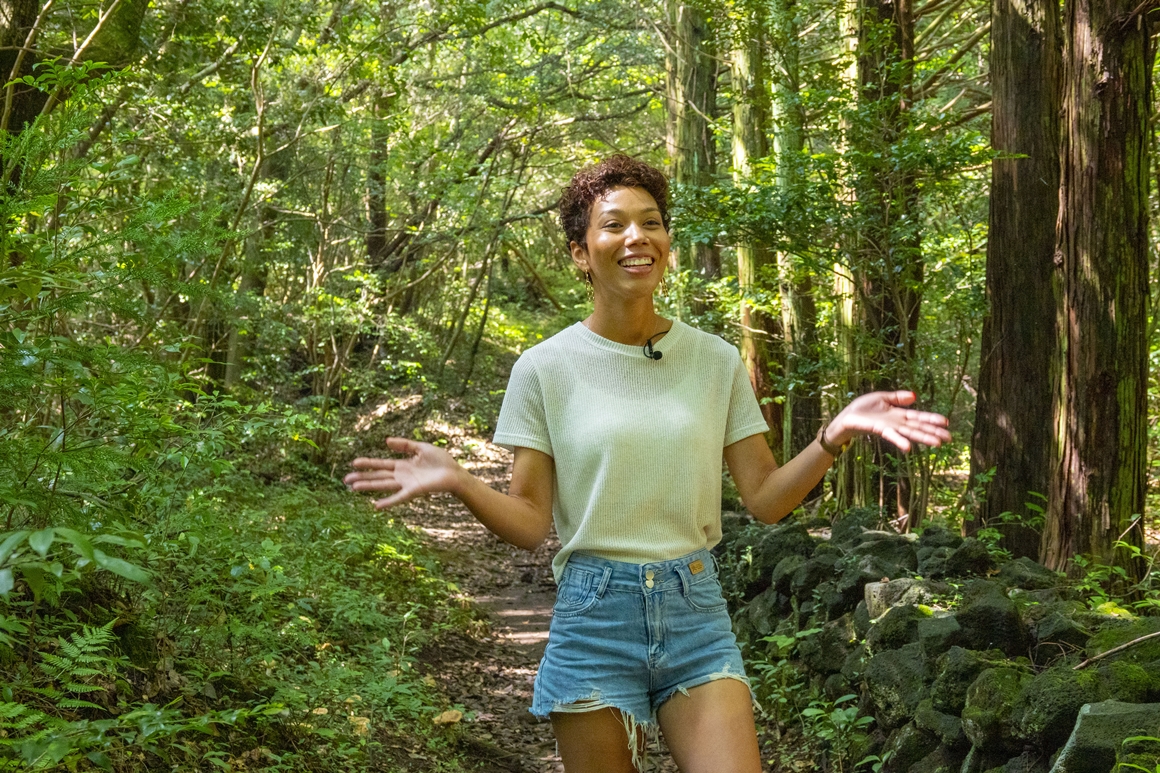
(29, 42)
(1114, 650)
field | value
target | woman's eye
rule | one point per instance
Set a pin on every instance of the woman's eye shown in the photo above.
(612, 224)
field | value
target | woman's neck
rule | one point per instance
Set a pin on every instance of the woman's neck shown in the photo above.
(631, 324)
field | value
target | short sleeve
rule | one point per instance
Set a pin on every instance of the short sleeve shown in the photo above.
(744, 417)
(522, 419)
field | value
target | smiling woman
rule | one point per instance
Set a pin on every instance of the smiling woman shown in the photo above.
(622, 451)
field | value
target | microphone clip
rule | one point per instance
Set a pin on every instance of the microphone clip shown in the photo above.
(649, 352)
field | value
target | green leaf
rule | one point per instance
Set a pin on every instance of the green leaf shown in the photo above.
(101, 760)
(42, 540)
(79, 542)
(121, 567)
(7, 582)
(10, 544)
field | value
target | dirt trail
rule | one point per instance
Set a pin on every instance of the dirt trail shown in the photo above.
(492, 675)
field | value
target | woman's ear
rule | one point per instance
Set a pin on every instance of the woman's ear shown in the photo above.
(579, 256)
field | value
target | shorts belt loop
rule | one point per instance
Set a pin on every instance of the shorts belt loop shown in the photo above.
(603, 582)
(683, 573)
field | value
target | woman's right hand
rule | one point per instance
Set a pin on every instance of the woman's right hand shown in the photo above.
(427, 469)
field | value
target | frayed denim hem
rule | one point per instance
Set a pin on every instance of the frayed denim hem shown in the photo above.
(633, 728)
(724, 673)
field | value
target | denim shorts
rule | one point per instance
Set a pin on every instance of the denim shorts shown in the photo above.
(630, 636)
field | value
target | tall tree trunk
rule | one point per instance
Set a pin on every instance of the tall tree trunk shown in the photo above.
(799, 312)
(759, 330)
(251, 287)
(1102, 252)
(21, 103)
(692, 91)
(852, 470)
(888, 267)
(1013, 410)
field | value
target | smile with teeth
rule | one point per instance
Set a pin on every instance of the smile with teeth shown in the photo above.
(629, 262)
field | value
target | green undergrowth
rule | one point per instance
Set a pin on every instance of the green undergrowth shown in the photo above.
(258, 627)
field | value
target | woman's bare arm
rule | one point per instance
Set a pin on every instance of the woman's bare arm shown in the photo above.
(522, 517)
(771, 492)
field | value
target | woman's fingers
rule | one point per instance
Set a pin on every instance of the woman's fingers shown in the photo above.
(892, 435)
(370, 463)
(377, 484)
(402, 445)
(397, 499)
(901, 397)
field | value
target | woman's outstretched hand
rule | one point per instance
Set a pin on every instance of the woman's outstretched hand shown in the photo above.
(426, 469)
(886, 414)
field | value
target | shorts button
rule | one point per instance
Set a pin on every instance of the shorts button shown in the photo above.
(649, 575)
(648, 583)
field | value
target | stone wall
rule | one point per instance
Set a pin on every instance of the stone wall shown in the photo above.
(966, 662)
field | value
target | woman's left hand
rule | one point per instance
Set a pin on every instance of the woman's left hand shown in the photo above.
(886, 414)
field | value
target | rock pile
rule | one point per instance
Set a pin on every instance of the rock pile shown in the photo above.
(967, 663)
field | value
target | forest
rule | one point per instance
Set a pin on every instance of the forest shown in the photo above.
(242, 243)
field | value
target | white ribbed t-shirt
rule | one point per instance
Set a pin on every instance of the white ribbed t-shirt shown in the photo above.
(636, 442)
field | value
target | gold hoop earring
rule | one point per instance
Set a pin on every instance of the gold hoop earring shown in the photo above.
(664, 286)
(588, 286)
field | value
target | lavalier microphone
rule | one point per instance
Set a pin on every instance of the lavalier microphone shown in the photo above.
(651, 353)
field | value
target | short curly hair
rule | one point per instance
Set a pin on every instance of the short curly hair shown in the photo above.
(592, 182)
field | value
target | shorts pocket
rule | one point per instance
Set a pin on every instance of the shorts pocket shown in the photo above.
(576, 593)
(705, 595)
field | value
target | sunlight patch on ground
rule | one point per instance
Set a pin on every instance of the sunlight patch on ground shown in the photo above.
(383, 410)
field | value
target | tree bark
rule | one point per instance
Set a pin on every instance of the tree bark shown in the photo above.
(1100, 406)
(16, 19)
(1013, 416)
(888, 270)
(692, 92)
(759, 330)
(798, 310)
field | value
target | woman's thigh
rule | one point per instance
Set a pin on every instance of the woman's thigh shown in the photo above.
(711, 729)
(595, 741)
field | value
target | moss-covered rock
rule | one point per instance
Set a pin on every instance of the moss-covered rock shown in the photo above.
(755, 553)
(1141, 752)
(853, 522)
(937, 635)
(763, 611)
(941, 760)
(894, 683)
(1114, 635)
(1030, 761)
(892, 548)
(1025, 573)
(897, 628)
(955, 672)
(932, 562)
(1099, 732)
(970, 559)
(858, 570)
(990, 620)
(947, 727)
(1057, 631)
(881, 596)
(861, 619)
(813, 573)
(991, 700)
(935, 536)
(905, 746)
(827, 650)
(856, 662)
(990, 759)
(782, 577)
(1050, 702)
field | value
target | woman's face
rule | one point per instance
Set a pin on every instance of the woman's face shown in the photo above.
(628, 246)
